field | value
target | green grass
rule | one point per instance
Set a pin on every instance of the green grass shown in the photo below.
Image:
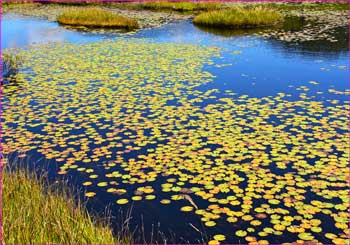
(180, 6)
(4, 2)
(188, 6)
(168, 6)
(239, 17)
(206, 6)
(8, 6)
(309, 6)
(95, 17)
(37, 213)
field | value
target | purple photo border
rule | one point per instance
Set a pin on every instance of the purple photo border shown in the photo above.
(126, 1)
(41, 1)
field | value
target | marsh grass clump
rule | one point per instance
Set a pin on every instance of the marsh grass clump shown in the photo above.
(95, 17)
(35, 212)
(11, 64)
(239, 17)
(18, 5)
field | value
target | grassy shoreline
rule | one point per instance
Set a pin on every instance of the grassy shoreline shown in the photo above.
(35, 212)
(176, 6)
(155, 14)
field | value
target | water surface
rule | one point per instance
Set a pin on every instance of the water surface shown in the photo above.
(246, 65)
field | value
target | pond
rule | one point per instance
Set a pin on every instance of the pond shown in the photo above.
(199, 133)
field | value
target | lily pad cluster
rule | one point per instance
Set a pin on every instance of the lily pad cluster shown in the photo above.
(129, 115)
(327, 22)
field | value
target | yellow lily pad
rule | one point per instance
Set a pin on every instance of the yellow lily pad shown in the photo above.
(122, 201)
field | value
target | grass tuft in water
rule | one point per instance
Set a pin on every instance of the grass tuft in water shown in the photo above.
(95, 17)
(35, 212)
(239, 17)
(11, 64)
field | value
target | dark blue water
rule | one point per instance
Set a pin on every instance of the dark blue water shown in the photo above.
(249, 65)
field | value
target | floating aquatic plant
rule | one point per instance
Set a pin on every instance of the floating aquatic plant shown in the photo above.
(130, 113)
